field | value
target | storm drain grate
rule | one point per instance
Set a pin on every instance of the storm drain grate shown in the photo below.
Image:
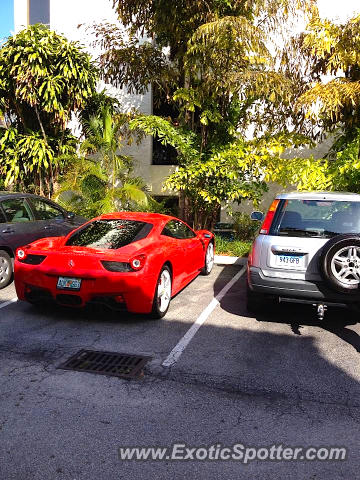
(106, 363)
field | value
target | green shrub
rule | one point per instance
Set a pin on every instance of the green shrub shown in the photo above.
(245, 228)
(236, 248)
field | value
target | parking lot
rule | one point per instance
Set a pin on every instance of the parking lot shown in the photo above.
(280, 378)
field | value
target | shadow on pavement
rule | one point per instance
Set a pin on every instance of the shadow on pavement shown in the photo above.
(295, 315)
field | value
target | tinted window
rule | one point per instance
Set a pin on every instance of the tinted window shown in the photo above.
(2, 216)
(110, 234)
(16, 210)
(39, 12)
(316, 218)
(45, 211)
(177, 229)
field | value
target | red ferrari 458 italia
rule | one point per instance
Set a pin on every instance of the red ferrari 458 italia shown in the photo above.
(127, 260)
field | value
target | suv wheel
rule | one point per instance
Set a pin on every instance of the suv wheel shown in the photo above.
(6, 270)
(340, 263)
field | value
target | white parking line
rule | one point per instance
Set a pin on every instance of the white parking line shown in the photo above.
(186, 339)
(9, 302)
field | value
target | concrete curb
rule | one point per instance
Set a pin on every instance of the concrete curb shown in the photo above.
(227, 260)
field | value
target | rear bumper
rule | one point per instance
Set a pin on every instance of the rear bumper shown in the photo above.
(295, 289)
(131, 291)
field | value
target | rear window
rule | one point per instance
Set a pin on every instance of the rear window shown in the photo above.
(316, 218)
(110, 234)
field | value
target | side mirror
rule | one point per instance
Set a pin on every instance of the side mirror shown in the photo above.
(203, 233)
(70, 215)
(258, 216)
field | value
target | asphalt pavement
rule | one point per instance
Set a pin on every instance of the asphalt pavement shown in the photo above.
(280, 378)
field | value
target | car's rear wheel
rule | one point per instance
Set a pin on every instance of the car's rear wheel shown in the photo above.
(340, 264)
(209, 260)
(6, 269)
(162, 295)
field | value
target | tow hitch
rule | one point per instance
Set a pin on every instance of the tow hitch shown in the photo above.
(321, 309)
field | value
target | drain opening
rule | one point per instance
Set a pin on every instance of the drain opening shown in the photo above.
(106, 363)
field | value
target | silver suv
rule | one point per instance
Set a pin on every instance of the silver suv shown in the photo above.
(307, 251)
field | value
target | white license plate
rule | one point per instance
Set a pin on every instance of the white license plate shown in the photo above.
(66, 283)
(290, 261)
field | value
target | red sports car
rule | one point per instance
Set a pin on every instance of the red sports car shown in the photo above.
(127, 260)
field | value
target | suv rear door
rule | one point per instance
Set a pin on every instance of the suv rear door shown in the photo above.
(299, 230)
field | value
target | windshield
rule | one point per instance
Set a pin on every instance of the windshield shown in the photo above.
(110, 234)
(316, 218)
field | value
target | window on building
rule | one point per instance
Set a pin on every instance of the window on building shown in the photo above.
(170, 204)
(163, 154)
(39, 12)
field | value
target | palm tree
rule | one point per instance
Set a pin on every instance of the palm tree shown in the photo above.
(100, 179)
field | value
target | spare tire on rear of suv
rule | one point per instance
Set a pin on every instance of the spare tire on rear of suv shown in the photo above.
(340, 263)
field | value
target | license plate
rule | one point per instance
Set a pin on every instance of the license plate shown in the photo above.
(290, 261)
(66, 283)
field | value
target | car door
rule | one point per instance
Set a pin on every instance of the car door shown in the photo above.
(189, 244)
(51, 219)
(193, 249)
(19, 227)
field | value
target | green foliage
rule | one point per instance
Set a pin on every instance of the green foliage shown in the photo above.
(235, 248)
(40, 70)
(86, 190)
(43, 80)
(216, 73)
(25, 157)
(341, 173)
(335, 51)
(222, 175)
(183, 140)
(245, 228)
(101, 181)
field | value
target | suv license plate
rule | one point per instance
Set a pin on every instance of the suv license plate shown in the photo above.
(66, 283)
(290, 261)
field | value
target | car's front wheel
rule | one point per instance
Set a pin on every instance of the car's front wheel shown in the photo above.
(6, 269)
(162, 295)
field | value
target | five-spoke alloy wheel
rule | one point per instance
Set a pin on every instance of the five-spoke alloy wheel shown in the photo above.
(162, 295)
(209, 259)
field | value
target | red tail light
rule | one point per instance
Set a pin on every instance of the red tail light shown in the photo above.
(265, 227)
(137, 262)
(21, 253)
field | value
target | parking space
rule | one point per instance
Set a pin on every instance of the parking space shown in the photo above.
(282, 377)
(29, 328)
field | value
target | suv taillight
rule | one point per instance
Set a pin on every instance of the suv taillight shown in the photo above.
(265, 227)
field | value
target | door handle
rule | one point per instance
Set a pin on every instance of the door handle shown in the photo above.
(48, 227)
(8, 230)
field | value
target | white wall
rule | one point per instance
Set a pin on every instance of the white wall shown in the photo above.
(20, 14)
